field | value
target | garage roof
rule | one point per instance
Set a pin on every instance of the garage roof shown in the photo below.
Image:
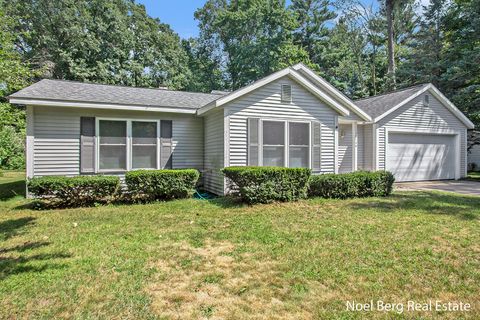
(377, 105)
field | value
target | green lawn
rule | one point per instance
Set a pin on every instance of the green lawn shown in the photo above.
(194, 259)
(474, 175)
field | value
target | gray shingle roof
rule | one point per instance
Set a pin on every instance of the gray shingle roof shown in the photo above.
(377, 105)
(122, 95)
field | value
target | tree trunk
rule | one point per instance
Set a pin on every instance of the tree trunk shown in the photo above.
(391, 46)
(374, 69)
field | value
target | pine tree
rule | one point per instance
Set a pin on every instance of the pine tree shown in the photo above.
(312, 33)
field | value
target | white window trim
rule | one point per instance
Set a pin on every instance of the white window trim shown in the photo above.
(129, 144)
(286, 140)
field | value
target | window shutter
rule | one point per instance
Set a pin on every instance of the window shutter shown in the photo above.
(87, 144)
(253, 130)
(166, 147)
(316, 149)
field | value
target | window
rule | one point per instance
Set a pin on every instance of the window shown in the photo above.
(274, 143)
(113, 145)
(131, 144)
(144, 145)
(286, 93)
(299, 145)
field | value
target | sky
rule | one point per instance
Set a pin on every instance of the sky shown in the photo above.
(179, 14)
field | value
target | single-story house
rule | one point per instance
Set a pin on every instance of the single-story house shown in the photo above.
(292, 118)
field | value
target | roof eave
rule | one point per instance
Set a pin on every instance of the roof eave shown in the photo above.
(98, 105)
(277, 75)
(430, 87)
(327, 86)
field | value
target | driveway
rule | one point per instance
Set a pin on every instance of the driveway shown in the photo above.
(459, 186)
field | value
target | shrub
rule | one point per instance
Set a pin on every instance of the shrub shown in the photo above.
(268, 184)
(12, 146)
(350, 185)
(74, 191)
(148, 185)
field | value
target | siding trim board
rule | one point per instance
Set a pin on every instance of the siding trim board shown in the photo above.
(30, 140)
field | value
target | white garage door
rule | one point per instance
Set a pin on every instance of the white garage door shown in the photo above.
(414, 157)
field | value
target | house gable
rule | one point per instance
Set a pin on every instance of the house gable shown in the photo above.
(323, 95)
(265, 103)
(431, 90)
(415, 114)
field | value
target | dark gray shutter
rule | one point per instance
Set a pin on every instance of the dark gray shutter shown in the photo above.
(166, 129)
(253, 141)
(87, 144)
(316, 149)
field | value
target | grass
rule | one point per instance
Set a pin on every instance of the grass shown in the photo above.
(474, 175)
(194, 259)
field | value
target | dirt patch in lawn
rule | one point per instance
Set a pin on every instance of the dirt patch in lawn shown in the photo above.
(216, 283)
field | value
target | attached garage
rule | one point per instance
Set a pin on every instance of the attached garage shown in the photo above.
(421, 156)
(417, 134)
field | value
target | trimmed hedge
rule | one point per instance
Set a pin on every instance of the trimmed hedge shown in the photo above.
(74, 191)
(268, 184)
(149, 185)
(351, 185)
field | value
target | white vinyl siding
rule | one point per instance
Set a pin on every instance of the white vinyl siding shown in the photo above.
(265, 103)
(345, 150)
(56, 149)
(415, 116)
(214, 151)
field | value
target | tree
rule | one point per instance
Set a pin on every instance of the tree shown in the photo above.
(14, 75)
(108, 41)
(345, 59)
(206, 69)
(424, 60)
(461, 79)
(254, 37)
(389, 6)
(312, 33)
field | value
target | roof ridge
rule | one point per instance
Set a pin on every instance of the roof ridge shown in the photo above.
(126, 86)
(394, 91)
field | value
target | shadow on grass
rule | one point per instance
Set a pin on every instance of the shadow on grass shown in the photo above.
(463, 207)
(25, 247)
(12, 189)
(10, 266)
(23, 258)
(227, 202)
(10, 228)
